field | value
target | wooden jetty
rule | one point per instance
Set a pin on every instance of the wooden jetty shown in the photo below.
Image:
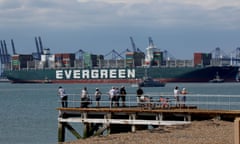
(99, 120)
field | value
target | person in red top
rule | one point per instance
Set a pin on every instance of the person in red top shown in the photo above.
(164, 102)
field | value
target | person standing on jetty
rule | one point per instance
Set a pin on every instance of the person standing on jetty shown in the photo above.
(84, 98)
(183, 98)
(123, 95)
(63, 96)
(117, 96)
(139, 94)
(112, 96)
(98, 96)
(176, 93)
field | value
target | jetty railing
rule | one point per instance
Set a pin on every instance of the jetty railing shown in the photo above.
(201, 101)
(107, 119)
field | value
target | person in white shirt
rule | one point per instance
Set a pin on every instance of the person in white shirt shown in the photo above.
(84, 98)
(176, 93)
(63, 96)
(112, 96)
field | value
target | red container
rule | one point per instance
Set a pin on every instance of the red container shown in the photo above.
(197, 59)
(202, 59)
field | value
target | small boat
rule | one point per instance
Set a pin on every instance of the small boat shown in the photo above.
(136, 83)
(4, 80)
(217, 79)
(149, 82)
(46, 80)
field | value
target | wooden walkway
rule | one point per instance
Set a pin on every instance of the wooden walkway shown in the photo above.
(98, 120)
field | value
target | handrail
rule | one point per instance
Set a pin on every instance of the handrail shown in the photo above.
(201, 101)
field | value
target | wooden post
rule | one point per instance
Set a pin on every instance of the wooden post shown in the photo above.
(108, 116)
(159, 117)
(237, 131)
(61, 132)
(85, 125)
(101, 130)
(93, 127)
(86, 129)
(187, 117)
(133, 117)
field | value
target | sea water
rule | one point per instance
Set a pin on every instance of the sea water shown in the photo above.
(28, 111)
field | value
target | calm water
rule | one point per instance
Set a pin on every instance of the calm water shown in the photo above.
(29, 115)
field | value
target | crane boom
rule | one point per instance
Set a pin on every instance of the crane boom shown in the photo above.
(150, 41)
(40, 45)
(133, 44)
(13, 47)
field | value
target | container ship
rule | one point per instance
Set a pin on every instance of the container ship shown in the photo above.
(83, 67)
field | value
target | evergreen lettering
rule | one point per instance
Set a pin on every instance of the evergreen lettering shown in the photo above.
(95, 74)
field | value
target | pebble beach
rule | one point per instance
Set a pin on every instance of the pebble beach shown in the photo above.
(198, 132)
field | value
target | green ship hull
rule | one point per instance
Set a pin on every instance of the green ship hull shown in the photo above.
(122, 75)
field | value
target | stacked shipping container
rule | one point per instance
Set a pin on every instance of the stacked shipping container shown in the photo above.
(157, 58)
(202, 59)
(20, 61)
(64, 59)
(134, 59)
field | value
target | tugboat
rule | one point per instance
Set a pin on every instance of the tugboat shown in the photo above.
(217, 79)
(149, 82)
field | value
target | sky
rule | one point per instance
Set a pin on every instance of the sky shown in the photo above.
(100, 26)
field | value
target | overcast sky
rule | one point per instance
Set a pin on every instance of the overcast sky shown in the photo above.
(181, 27)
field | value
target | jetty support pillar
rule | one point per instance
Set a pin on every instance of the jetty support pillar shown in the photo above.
(133, 117)
(61, 132)
(237, 131)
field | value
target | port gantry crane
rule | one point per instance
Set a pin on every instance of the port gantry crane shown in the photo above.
(5, 56)
(115, 55)
(151, 44)
(79, 54)
(134, 48)
(39, 47)
(133, 44)
(233, 57)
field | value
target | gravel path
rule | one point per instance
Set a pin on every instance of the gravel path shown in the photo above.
(198, 132)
